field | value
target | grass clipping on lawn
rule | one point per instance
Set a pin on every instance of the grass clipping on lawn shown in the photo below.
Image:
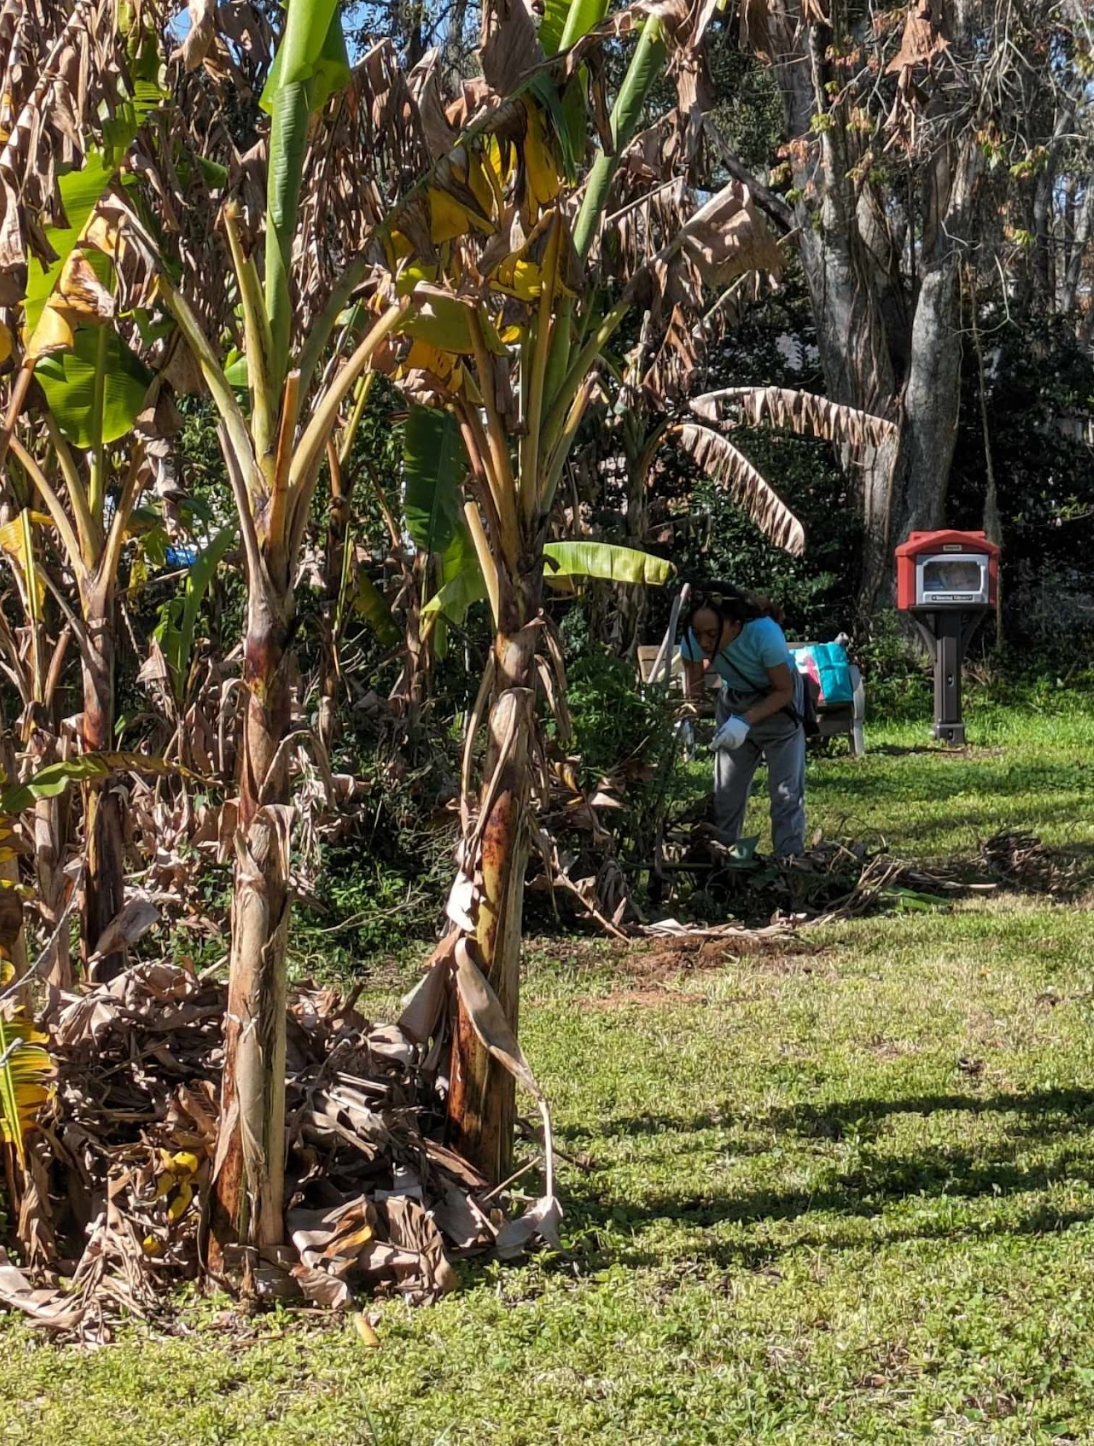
(109, 1211)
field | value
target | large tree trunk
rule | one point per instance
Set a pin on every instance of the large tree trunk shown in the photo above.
(248, 1194)
(889, 343)
(481, 1100)
(104, 818)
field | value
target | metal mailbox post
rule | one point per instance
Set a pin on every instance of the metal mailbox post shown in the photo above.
(947, 581)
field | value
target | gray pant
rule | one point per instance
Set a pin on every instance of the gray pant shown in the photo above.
(781, 743)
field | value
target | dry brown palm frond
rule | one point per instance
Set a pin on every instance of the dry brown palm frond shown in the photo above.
(64, 73)
(47, 61)
(801, 412)
(724, 464)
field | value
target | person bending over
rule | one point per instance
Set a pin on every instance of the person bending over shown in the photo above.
(758, 711)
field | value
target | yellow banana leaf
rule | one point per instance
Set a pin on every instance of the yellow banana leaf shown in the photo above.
(16, 540)
(464, 197)
(447, 218)
(542, 179)
(521, 273)
(24, 1073)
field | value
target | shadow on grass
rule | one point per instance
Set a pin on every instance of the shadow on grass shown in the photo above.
(612, 1233)
(905, 750)
(612, 1230)
(832, 1121)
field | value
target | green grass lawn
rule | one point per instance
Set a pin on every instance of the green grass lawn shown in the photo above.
(1022, 770)
(842, 1193)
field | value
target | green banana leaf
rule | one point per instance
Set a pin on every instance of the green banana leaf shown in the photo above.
(86, 413)
(434, 466)
(178, 619)
(312, 50)
(605, 561)
(566, 21)
(646, 67)
(371, 607)
(238, 372)
(311, 64)
(464, 586)
(456, 562)
(444, 321)
(81, 192)
(563, 560)
(145, 66)
(55, 778)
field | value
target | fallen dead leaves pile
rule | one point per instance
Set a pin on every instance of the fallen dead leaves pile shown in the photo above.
(1021, 860)
(831, 881)
(111, 1212)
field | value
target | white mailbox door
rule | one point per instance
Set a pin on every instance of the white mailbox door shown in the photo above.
(952, 579)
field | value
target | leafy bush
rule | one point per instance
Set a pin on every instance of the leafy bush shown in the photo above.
(612, 715)
(895, 670)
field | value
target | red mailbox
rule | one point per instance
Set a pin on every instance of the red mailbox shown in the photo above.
(947, 581)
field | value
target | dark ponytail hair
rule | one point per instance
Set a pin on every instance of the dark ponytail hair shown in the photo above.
(731, 604)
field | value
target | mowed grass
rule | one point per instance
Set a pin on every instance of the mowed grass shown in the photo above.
(1023, 770)
(839, 1193)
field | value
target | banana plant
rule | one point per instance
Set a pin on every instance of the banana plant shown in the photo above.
(175, 667)
(565, 565)
(36, 670)
(90, 454)
(25, 1064)
(516, 306)
(338, 560)
(274, 449)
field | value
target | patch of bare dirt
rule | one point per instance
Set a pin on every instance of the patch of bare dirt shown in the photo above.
(651, 964)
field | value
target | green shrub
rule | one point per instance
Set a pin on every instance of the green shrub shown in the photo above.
(612, 715)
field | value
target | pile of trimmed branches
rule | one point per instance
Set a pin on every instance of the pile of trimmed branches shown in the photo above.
(1021, 860)
(830, 881)
(112, 1208)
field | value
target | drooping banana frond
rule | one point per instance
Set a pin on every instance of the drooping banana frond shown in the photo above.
(25, 1066)
(567, 561)
(724, 464)
(565, 564)
(801, 412)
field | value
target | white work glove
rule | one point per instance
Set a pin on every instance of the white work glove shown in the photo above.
(731, 734)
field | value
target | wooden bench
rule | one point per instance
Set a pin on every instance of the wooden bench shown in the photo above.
(833, 722)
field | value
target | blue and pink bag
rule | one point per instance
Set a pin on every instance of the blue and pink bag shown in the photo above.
(829, 668)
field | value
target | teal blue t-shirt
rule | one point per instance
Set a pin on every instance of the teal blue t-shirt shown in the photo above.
(743, 663)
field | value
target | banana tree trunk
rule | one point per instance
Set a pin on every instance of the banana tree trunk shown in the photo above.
(49, 834)
(9, 871)
(248, 1191)
(481, 1099)
(51, 825)
(104, 818)
(412, 685)
(341, 503)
